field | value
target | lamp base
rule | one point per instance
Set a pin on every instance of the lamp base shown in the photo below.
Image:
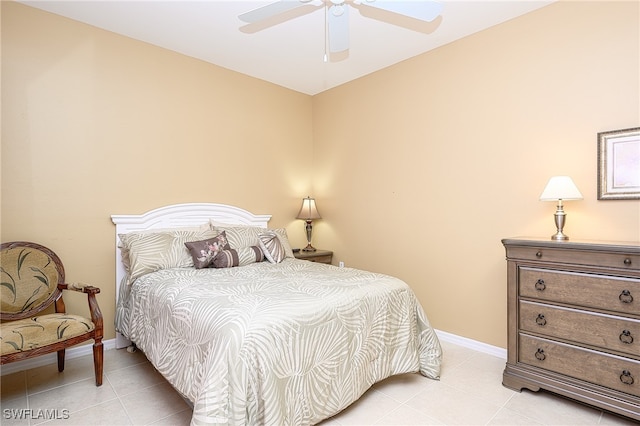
(309, 229)
(559, 236)
(559, 218)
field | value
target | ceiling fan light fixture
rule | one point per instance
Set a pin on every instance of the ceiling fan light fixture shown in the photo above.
(336, 14)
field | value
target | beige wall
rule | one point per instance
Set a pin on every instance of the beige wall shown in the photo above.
(96, 124)
(422, 168)
(419, 170)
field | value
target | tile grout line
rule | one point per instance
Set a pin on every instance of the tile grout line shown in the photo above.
(55, 387)
(120, 401)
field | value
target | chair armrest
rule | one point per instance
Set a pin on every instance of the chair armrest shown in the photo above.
(94, 309)
(81, 287)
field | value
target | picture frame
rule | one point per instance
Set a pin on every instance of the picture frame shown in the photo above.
(619, 164)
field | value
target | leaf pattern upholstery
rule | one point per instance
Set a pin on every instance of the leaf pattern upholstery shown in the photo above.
(291, 343)
(44, 330)
(28, 278)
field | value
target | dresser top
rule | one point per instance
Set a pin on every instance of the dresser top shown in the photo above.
(626, 246)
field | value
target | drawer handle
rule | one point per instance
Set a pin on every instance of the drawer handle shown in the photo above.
(627, 261)
(625, 296)
(540, 285)
(540, 356)
(627, 378)
(542, 321)
(626, 337)
(539, 254)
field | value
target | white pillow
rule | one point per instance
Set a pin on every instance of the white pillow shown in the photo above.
(246, 236)
(148, 251)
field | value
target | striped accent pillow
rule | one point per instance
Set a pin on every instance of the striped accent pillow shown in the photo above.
(271, 247)
(237, 257)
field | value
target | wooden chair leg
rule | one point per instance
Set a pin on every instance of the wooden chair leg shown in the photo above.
(61, 360)
(97, 361)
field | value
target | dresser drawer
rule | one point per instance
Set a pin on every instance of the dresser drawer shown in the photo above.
(619, 373)
(617, 294)
(621, 260)
(608, 332)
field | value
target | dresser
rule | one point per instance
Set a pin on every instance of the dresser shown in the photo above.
(573, 311)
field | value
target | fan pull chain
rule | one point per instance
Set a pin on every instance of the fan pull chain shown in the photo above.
(326, 9)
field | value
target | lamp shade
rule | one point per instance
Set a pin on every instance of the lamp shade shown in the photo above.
(308, 211)
(560, 188)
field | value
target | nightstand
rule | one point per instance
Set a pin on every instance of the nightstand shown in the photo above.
(320, 256)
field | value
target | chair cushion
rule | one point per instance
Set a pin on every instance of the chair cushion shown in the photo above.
(31, 333)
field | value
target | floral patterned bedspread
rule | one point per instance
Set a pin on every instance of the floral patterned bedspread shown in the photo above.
(288, 344)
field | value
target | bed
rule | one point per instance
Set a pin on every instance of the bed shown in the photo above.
(273, 340)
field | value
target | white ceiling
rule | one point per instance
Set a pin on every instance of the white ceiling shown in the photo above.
(290, 52)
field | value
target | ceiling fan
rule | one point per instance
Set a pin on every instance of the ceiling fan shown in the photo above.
(337, 14)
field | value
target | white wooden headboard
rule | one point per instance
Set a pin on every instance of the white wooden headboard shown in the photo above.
(173, 216)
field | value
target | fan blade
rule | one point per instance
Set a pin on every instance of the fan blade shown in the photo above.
(418, 9)
(338, 22)
(272, 9)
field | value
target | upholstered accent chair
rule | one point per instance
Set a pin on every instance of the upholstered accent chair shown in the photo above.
(33, 320)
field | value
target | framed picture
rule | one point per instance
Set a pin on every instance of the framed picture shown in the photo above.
(619, 165)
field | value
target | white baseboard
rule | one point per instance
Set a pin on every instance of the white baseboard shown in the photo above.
(79, 351)
(472, 344)
(52, 358)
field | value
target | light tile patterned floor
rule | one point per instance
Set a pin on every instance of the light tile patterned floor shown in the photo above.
(133, 393)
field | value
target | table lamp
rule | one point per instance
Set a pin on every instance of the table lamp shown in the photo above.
(560, 188)
(308, 212)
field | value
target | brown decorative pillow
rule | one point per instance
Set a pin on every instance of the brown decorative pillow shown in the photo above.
(237, 257)
(205, 251)
(271, 247)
